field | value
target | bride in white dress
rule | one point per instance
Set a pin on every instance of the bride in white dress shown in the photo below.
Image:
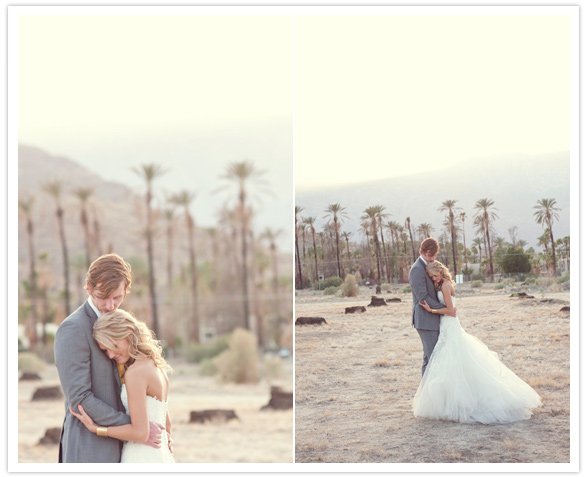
(465, 381)
(144, 392)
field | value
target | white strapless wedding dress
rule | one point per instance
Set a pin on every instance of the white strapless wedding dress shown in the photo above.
(466, 382)
(133, 452)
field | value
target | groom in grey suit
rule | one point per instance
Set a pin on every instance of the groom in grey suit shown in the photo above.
(88, 377)
(427, 324)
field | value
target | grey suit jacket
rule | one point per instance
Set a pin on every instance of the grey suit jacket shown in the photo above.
(423, 289)
(88, 377)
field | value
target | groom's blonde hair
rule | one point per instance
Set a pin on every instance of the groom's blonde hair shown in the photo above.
(429, 245)
(106, 273)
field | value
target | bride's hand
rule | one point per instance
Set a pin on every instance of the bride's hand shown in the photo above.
(425, 306)
(86, 420)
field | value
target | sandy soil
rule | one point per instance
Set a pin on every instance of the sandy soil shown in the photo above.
(357, 375)
(258, 436)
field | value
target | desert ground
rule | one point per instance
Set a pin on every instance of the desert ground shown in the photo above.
(356, 377)
(256, 437)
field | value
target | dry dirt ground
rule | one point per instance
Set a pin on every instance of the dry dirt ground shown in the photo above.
(356, 377)
(257, 437)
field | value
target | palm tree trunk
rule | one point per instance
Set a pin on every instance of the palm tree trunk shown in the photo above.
(553, 252)
(490, 254)
(337, 248)
(32, 324)
(194, 280)
(315, 253)
(65, 260)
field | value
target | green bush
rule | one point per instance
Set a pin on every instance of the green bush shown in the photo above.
(330, 291)
(207, 367)
(30, 362)
(201, 351)
(565, 278)
(329, 282)
(499, 286)
(349, 287)
(239, 363)
(407, 289)
(477, 284)
(478, 276)
(387, 287)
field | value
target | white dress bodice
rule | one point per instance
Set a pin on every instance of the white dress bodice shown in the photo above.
(136, 452)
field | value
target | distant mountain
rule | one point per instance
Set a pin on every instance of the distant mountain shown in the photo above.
(515, 184)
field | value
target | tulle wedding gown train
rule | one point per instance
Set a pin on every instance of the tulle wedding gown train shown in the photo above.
(466, 382)
(133, 452)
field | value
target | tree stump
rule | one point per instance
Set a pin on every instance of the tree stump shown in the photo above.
(378, 289)
(51, 437)
(355, 309)
(376, 301)
(280, 399)
(566, 308)
(212, 415)
(47, 393)
(29, 376)
(310, 320)
(393, 300)
(521, 295)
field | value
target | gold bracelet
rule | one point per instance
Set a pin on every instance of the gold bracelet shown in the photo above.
(102, 431)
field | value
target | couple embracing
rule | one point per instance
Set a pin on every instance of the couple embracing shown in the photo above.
(113, 376)
(462, 380)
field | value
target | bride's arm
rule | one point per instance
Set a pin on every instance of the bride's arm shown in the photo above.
(140, 429)
(446, 294)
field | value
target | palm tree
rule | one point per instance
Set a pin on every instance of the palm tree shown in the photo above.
(450, 207)
(483, 206)
(463, 217)
(477, 242)
(380, 216)
(26, 206)
(84, 193)
(270, 235)
(169, 214)
(54, 188)
(242, 173)
(546, 213)
(346, 235)
(337, 213)
(309, 221)
(409, 227)
(424, 231)
(150, 172)
(184, 199)
(298, 210)
(521, 244)
(370, 216)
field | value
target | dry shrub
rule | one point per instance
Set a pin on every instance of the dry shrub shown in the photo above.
(30, 362)
(349, 288)
(452, 454)
(382, 363)
(239, 363)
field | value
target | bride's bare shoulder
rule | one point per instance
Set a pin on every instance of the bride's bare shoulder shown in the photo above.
(141, 368)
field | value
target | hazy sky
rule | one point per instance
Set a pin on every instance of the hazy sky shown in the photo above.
(382, 96)
(192, 93)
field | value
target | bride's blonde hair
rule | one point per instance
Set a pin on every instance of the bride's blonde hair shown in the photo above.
(118, 325)
(437, 268)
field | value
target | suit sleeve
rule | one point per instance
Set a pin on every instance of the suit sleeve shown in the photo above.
(72, 358)
(418, 283)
